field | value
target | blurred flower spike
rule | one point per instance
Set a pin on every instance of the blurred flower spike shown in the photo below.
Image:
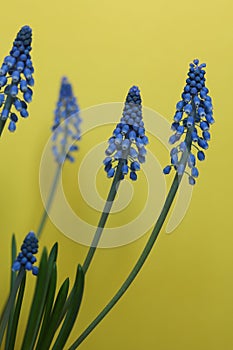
(66, 127)
(26, 258)
(129, 140)
(193, 118)
(16, 79)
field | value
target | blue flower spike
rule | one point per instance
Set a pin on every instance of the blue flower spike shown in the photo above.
(193, 118)
(128, 140)
(26, 258)
(66, 127)
(16, 80)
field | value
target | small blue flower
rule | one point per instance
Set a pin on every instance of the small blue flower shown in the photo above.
(201, 155)
(26, 259)
(16, 77)
(192, 181)
(193, 118)
(129, 140)
(66, 127)
(167, 169)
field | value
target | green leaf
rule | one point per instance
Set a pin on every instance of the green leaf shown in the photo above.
(72, 312)
(37, 305)
(13, 257)
(13, 277)
(12, 334)
(10, 304)
(50, 299)
(55, 316)
(39, 299)
(53, 253)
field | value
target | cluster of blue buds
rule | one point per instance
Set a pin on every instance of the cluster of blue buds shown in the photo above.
(16, 79)
(193, 117)
(129, 139)
(66, 127)
(26, 258)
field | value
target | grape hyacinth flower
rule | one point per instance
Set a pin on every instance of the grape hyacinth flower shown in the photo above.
(66, 127)
(66, 130)
(16, 78)
(194, 112)
(26, 258)
(129, 140)
(127, 149)
(193, 118)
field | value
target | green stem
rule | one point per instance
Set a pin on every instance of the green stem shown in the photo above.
(136, 268)
(104, 216)
(53, 189)
(49, 201)
(10, 303)
(149, 245)
(8, 104)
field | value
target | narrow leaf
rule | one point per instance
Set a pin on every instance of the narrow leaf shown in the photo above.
(54, 319)
(39, 299)
(37, 304)
(53, 253)
(50, 299)
(13, 257)
(10, 304)
(12, 334)
(75, 302)
(13, 276)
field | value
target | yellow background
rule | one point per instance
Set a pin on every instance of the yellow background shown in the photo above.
(183, 298)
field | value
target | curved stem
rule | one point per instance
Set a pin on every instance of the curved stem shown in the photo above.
(137, 267)
(149, 245)
(49, 201)
(104, 216)
(53, 187)
(8, 104)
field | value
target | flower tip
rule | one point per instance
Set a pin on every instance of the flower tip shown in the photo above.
(134, 89)
(134, 95)
(26, 27)
(64, 80)
(66, 88)
(196, 61)
(31, 234)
